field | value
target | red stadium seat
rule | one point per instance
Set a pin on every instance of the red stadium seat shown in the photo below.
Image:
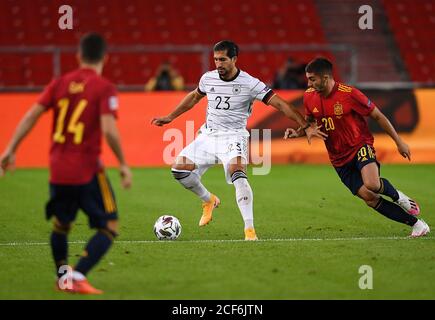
(413, 24)
(161, 22)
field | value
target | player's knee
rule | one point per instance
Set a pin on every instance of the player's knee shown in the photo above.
(369, 197)
(373, 186)
(179, 166)
(371, 200)
(182, 163)
(60, 227)
(111, 229)
(235, 165)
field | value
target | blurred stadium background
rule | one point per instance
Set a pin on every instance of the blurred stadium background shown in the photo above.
(394, 64)
(400, 48)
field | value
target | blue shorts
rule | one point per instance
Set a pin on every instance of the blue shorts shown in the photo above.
(350, 173)
(95, 198)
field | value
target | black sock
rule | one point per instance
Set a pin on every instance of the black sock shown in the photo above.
(388, 189)
(394, 212)
(59, 249)
(96, 248)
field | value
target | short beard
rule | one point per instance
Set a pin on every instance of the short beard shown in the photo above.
(323, 86)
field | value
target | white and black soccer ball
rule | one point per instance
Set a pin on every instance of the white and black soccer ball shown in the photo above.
(167, 228)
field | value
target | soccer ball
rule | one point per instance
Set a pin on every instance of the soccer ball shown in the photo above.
(167, 228)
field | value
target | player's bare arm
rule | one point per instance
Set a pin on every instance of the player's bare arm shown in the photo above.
(188, 102)
(291, 112)
(7, 159)
(111, 133)
(385, 124)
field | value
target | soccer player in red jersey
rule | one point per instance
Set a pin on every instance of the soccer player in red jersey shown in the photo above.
(84, 107)
(340, 110)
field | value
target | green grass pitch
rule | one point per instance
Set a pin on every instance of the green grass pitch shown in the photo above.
(315, 236)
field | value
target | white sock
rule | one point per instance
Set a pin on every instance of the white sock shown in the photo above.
(78, 276)
(190, 180)
(244, 198)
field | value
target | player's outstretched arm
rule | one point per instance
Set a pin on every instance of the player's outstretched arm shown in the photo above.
(110, 131)
(191, 99)
(385, 124)
(291, 112)
(7, 159)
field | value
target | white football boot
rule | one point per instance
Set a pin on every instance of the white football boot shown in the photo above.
(420, 229)
(408, 204)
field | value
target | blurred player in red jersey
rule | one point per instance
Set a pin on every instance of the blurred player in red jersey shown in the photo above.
(84, 107)
(340, 110)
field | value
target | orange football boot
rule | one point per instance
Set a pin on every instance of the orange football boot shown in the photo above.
(80, 287)
(207, 209)
(250, 234)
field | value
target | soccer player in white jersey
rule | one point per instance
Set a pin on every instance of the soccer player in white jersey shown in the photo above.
(223, 138)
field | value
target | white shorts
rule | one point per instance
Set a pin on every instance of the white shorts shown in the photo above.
(208, 150)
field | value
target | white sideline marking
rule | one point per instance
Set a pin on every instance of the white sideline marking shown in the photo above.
(13, 244)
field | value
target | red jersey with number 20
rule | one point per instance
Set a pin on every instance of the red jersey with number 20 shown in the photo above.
(78, 99)
(341, 115)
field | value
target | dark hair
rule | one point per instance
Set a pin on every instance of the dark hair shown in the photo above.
(92, 47)
(319, 66)
(231, 48)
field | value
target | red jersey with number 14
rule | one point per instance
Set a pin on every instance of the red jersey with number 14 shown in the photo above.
(341, 115)
(78, 99)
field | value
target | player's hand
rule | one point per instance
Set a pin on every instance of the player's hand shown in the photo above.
(161, 121)
(314, 131)
(7, 162)
(126, 176)
(291, 133)
(403, 149)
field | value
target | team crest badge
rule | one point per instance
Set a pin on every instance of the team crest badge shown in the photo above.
(338, 109)
(237, 88)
